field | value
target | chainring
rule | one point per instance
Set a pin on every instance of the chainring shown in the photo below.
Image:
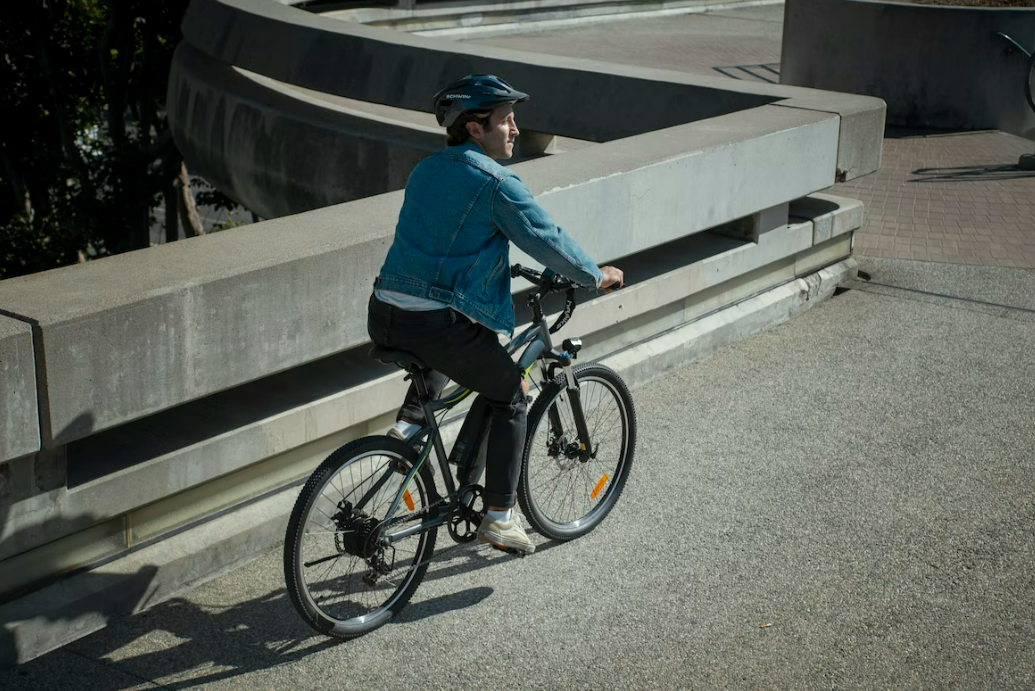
(468, 515)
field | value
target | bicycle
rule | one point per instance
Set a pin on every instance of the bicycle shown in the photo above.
(352, 561)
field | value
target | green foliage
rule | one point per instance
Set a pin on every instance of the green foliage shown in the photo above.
(207, 195)
(85, 148)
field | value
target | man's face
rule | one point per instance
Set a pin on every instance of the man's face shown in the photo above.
(496, 134)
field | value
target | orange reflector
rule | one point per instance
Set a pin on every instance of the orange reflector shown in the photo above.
(600, 486)
(408, 499)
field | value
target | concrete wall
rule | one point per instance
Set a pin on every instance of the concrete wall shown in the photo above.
(184, 380)
(233, 103)
(19, 417)
(171, 324)
(682, 290)
(934, 66)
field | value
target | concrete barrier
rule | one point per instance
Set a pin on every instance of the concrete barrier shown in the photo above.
(685, 300)
(181, 383)
(227, 121)
(19, 415)
(935, 66)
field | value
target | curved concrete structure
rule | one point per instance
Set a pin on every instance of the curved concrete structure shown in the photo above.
(278, 152)
(177, 383)
(935, 66)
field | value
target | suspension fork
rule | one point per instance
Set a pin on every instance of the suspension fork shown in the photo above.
(575, 397)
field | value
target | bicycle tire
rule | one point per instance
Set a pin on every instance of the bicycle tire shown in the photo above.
(594, 486)
(323, 609)
(1028, 84)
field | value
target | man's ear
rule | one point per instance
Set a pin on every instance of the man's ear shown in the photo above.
(474, 128)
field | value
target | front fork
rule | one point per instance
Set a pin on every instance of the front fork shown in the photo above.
(575, 397)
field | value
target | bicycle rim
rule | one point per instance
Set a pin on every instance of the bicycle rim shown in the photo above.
(562, 496)
(339, 592)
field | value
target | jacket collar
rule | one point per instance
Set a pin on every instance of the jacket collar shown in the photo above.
(467, 146)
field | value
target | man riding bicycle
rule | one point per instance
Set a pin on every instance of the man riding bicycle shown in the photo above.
(443, 293)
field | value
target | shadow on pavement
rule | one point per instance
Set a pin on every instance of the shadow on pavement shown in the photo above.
(769, 72)
(442, 604)
(183, 643)
(984, 173)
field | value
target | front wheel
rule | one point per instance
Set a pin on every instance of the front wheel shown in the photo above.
(562, 495)
(340, 577)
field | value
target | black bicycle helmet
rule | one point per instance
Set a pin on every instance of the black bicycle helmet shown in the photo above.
(475, 92)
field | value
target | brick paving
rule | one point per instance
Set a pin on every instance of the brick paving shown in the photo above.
(944, 197)
(956, 198)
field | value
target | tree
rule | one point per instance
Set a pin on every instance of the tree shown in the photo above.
(86, 150)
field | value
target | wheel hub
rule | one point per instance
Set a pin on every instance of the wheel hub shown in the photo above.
(566, 453)
(356, 532)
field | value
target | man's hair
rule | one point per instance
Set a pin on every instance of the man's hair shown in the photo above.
(457, 134)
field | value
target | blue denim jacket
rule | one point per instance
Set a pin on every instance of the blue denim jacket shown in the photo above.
(451, 243)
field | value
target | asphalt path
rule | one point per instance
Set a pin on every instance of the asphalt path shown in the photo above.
(844, 501)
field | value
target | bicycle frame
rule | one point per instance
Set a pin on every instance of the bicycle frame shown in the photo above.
(538, 344)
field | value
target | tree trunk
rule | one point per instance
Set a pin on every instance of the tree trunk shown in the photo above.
(22, 200)
(172, 206)
(51, 72)
(188, 209)
(114, 37)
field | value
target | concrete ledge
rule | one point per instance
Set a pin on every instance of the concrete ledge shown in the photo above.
(605, 324)
(219, 130)
(19, 415)
(693, 341)
(716, 271)
(529, 15)
(131, 335)
(250, 158)
(70, 609)
(830, 215)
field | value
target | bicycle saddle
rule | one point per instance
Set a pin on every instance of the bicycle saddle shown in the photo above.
(397, 357)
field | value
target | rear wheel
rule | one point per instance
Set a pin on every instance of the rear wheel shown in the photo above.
(562, 496)
(340, 579)
(1029, 85)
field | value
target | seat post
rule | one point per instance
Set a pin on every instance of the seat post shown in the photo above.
(423, 395)
(417, 375)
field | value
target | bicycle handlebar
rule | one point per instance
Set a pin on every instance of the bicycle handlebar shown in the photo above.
(548, 281)
(544, 279)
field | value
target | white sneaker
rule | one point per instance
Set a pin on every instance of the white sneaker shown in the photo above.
(506, 534)
(403, 430)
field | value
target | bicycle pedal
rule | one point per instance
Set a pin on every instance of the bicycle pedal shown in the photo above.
(510, 550)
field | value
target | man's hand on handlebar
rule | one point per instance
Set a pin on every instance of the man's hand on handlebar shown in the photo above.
(613, 279)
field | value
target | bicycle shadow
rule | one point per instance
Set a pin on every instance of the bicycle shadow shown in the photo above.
(181, 643)
(985, 173)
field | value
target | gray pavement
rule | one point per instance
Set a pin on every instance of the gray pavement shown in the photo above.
(843, 501)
